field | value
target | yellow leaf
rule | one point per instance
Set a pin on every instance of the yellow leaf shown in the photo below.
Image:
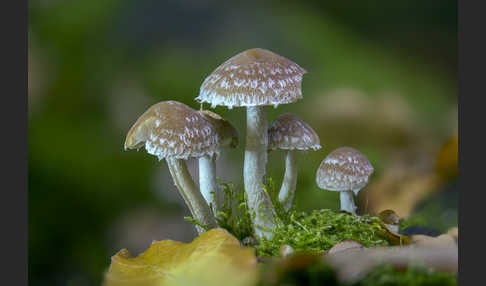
(213, 258)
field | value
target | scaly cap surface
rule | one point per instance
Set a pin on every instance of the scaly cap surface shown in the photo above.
(252, 78)
(344, 169)
(173, 129)
(228, 136)
(289, 132)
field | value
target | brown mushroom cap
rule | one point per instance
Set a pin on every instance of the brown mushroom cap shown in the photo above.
(289, 132)
(173, 129)
(227, 133)
(252, 78)
(344, 169)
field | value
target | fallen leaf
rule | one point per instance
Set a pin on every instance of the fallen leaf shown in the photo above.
(394, 238)
(213, 258)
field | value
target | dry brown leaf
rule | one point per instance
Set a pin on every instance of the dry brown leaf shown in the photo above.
(394, 238)
(211, 259)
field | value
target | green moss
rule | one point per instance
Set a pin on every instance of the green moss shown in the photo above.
(234, 215)
(320, 230)
(315, 232)
(413, 276)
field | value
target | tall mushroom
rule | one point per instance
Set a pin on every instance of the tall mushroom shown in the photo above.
(228, 137)
(173, 131)
(290, 133)
(254, 79)
(344, 170)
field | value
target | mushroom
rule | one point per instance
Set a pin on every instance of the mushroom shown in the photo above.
(173, 131)
(228, 137)
(254, 79)
(290, 133)
(286, 250)
(344, 170)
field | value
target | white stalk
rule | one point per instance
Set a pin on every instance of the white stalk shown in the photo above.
(347, 202)
(193, 198)
(287, 191)
(259, 202)
(207, 181)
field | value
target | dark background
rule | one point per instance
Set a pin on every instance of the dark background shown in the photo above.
(382, 78)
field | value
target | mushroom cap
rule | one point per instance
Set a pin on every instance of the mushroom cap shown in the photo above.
(344, 169)
(289, 132)
(228, 135)
(173, 129)
(252, 78)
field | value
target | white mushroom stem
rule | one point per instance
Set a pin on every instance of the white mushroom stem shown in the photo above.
(193, 198)
(259, 202)
(287, 190)
(207, 181)
(347, 202)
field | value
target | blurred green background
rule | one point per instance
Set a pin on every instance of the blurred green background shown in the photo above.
(382, 78)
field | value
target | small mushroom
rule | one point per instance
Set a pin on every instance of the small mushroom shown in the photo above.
(254, 79)
(290, 133)
(228, 137)
(286, 250)
(344, 170)
(173, 131)
(391, 220)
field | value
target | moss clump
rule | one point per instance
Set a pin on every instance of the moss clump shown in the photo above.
(234, 215)
(414, 276)
(320, 230)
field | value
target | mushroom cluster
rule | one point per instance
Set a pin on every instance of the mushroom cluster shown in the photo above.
(254, 79)
(175, 132)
